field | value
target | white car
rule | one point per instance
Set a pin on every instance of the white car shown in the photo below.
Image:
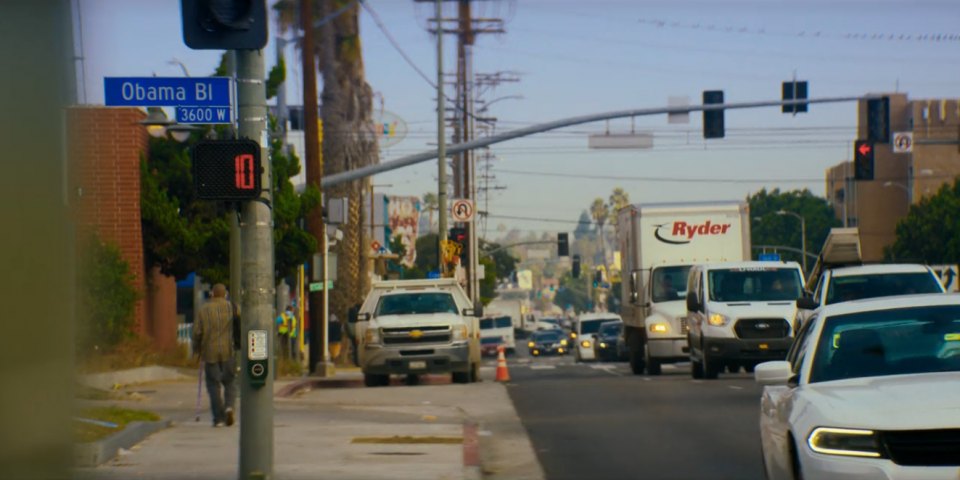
(870, 389)
(588, 325)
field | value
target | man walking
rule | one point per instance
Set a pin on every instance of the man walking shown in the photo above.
(213, 338)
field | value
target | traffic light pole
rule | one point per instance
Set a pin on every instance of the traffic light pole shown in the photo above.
(257, 289)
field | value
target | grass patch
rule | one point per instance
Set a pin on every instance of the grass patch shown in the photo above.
(134, 353)
(409, 440)
(288, 367)
(87, 432)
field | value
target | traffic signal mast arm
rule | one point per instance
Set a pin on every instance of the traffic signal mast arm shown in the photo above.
(349, 176)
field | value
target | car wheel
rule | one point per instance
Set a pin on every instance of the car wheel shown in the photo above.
(749, 367)
(475, 373)
(795, 461)
(635, 356)
(711, 369)
(653, 366)
(460, 377)
(733, 368)
(413, 379)
(373, 380)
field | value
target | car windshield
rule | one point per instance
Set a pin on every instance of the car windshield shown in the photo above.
(610, 329)
(547, 336)
(888, 342)
(416, 303)
(592, 326)
(854, 287)
(670, 283)
(498, 322)
(754, 284)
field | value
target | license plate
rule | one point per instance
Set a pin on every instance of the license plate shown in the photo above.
(418, 365)
(764, 346)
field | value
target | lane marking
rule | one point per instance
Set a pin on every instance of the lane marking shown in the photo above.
(543, 367)
(735, 387)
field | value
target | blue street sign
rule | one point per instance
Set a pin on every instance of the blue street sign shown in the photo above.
(769, 257)
(203, 115)
(433, 274)
(166, 91)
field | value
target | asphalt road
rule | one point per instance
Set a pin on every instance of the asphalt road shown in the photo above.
(598, 421)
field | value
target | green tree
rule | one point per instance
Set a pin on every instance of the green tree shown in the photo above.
(106, 296)
(618, 199)
(930, 233)
(573, 292)
(771, 228)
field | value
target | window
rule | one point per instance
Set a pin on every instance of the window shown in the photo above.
(416, 303)
(855, 287)
(755, 284)
(798, 350)
(668, 282)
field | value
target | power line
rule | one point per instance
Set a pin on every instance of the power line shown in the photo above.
(922, 37)
(661, 179)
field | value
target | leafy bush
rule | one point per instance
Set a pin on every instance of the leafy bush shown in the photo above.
(106, 296)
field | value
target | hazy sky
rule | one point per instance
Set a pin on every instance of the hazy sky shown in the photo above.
(577, 57)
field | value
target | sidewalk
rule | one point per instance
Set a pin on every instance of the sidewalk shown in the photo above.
(336, 428)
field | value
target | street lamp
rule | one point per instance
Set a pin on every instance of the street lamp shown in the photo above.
(803, 235)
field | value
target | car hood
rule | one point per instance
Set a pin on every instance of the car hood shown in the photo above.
(418, 320)
(922, 401)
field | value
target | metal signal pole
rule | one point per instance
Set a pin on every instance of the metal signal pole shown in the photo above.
(257, 290)
(441, 144)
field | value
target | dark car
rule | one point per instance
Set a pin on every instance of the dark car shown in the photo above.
(606, 343)
(547, 342)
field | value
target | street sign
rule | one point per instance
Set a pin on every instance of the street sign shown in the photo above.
(769, 257)
(318, 286)
(166, 91)
(204, 115)
(903, 142)
(948, 276)
(462, 210)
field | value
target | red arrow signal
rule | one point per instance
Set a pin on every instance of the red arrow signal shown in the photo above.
(864, 149)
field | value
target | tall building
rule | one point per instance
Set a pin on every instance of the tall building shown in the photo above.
(900, 179)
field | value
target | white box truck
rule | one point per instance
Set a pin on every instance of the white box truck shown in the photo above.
(658, 245)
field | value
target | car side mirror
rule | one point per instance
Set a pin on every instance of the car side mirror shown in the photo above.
(359, 317)
(478, 309)
(692, 304)
(773, 373)
(806, 303)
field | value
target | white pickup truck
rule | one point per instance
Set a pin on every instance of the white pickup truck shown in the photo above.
(413, 327)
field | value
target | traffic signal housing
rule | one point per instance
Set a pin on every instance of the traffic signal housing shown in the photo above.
(226, 169)
(224, 24)
(459, 235)
(794, 90)
(563, 245)
(713, 119)
(575, 270)
(863, 160)
(878, 120)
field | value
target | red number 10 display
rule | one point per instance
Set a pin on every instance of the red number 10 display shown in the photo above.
(227, 169)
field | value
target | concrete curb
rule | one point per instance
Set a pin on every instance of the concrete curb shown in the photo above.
(95, 453)
(110, 380)
(471, 452)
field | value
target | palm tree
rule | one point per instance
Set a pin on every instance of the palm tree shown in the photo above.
(618, 199)
(349, 141)
(600, 212)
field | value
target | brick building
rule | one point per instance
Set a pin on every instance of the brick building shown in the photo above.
(106, 147)
(900, 179)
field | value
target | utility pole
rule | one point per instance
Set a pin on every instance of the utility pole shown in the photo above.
(441, 144)
(236, 271)
(257, 292)
(314, 167)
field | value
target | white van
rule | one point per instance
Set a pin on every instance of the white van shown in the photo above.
(496, 330)
(740, 314)
(587, 326)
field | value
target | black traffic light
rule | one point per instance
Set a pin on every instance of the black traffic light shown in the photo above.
(794, 90)
(863, 160)
(226, 169)
(878, 120)
(713, 119)
(575, 273)
(459, 236)
(224, 24)
(563, 245)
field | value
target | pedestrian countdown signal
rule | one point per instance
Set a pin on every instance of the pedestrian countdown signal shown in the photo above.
(227, 169)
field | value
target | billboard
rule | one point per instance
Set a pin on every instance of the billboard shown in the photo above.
(403, 217)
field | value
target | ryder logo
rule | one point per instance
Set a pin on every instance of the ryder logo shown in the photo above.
(682, 232)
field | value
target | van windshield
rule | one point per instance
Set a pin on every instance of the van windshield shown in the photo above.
(754, 284)
(416, 303)
(855, 287)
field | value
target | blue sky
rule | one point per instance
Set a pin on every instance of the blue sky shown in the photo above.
(576, 57)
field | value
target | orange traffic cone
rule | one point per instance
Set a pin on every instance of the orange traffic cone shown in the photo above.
(502, 374)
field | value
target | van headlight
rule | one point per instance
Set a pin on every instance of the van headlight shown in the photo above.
(658, 328)
(585, 344)
(460, 333)
(844, 441)
(718, 319)
(371, 336)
